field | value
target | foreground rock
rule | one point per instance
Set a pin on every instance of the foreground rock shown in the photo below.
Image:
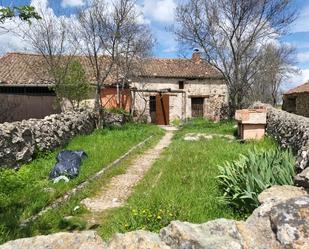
(280, 193)
(302, 179)
(217, 234)
(290, 222)
(281, 222)
(137, 240)
(83, 240)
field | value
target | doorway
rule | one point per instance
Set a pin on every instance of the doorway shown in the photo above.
(197, 107)
(159, 109)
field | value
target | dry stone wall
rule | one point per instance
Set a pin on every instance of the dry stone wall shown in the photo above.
(19, 141)
(292, 131)
(302, 103)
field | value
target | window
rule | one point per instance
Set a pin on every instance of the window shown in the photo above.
(181, 84)
(152, 103)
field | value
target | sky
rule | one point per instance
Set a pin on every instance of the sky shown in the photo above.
(160, 15)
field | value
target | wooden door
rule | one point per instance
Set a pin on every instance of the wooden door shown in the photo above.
(197, 107)
(162, 109)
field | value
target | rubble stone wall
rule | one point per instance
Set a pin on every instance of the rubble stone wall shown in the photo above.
(19, 141)
(292, 131)
(302, 104)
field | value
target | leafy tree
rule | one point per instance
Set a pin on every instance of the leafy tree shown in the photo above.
(72, 85)
(25, 13)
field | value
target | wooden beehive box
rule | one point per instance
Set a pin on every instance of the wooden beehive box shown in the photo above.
(251, 123)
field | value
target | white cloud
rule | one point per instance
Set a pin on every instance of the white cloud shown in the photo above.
(72, 3)
(11, 36)
(296, 80)
(303, 57)
(160, 11)
(40, 4)
(13, 41)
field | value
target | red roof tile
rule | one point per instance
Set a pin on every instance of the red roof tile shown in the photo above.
(29, 69)
(299, 89)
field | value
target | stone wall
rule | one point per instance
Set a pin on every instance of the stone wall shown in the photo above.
(292, 131)
(302, 104)
(19, 141)
(297, 103)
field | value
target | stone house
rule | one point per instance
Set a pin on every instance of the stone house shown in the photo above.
(296, 100)
(164, 90)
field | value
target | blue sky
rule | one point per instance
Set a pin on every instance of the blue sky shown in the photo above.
(159, 14)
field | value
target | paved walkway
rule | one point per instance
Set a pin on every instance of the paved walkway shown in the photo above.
(120, 187)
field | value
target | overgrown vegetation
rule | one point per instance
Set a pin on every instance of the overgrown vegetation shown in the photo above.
(182, 184)
(26, 191)
(243, 180)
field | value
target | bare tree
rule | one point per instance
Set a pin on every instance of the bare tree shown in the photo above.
(113, 41)
(49, 37)
(232, 34)
(275, 64)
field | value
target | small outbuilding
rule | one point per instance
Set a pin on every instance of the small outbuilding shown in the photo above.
(296, 100)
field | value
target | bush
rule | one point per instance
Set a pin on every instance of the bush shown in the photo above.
(243, 180)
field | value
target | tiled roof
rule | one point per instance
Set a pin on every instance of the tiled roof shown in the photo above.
(299, 89)
(179, 68)
(29, 69)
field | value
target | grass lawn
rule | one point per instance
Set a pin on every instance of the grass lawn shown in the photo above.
(26, 191)
(182, 184)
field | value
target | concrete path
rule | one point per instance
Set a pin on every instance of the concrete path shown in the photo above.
(120, 187)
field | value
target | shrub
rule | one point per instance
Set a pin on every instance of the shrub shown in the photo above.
(243, 180)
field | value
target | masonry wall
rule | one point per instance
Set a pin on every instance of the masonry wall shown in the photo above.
(214, 92)
(292, 131)
(302, 104)
(20, 140)
(297, 103)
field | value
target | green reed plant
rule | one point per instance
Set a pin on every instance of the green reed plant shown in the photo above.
(243, 180)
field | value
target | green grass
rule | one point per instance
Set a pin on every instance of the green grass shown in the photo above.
(182, 183)
(25, 192)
